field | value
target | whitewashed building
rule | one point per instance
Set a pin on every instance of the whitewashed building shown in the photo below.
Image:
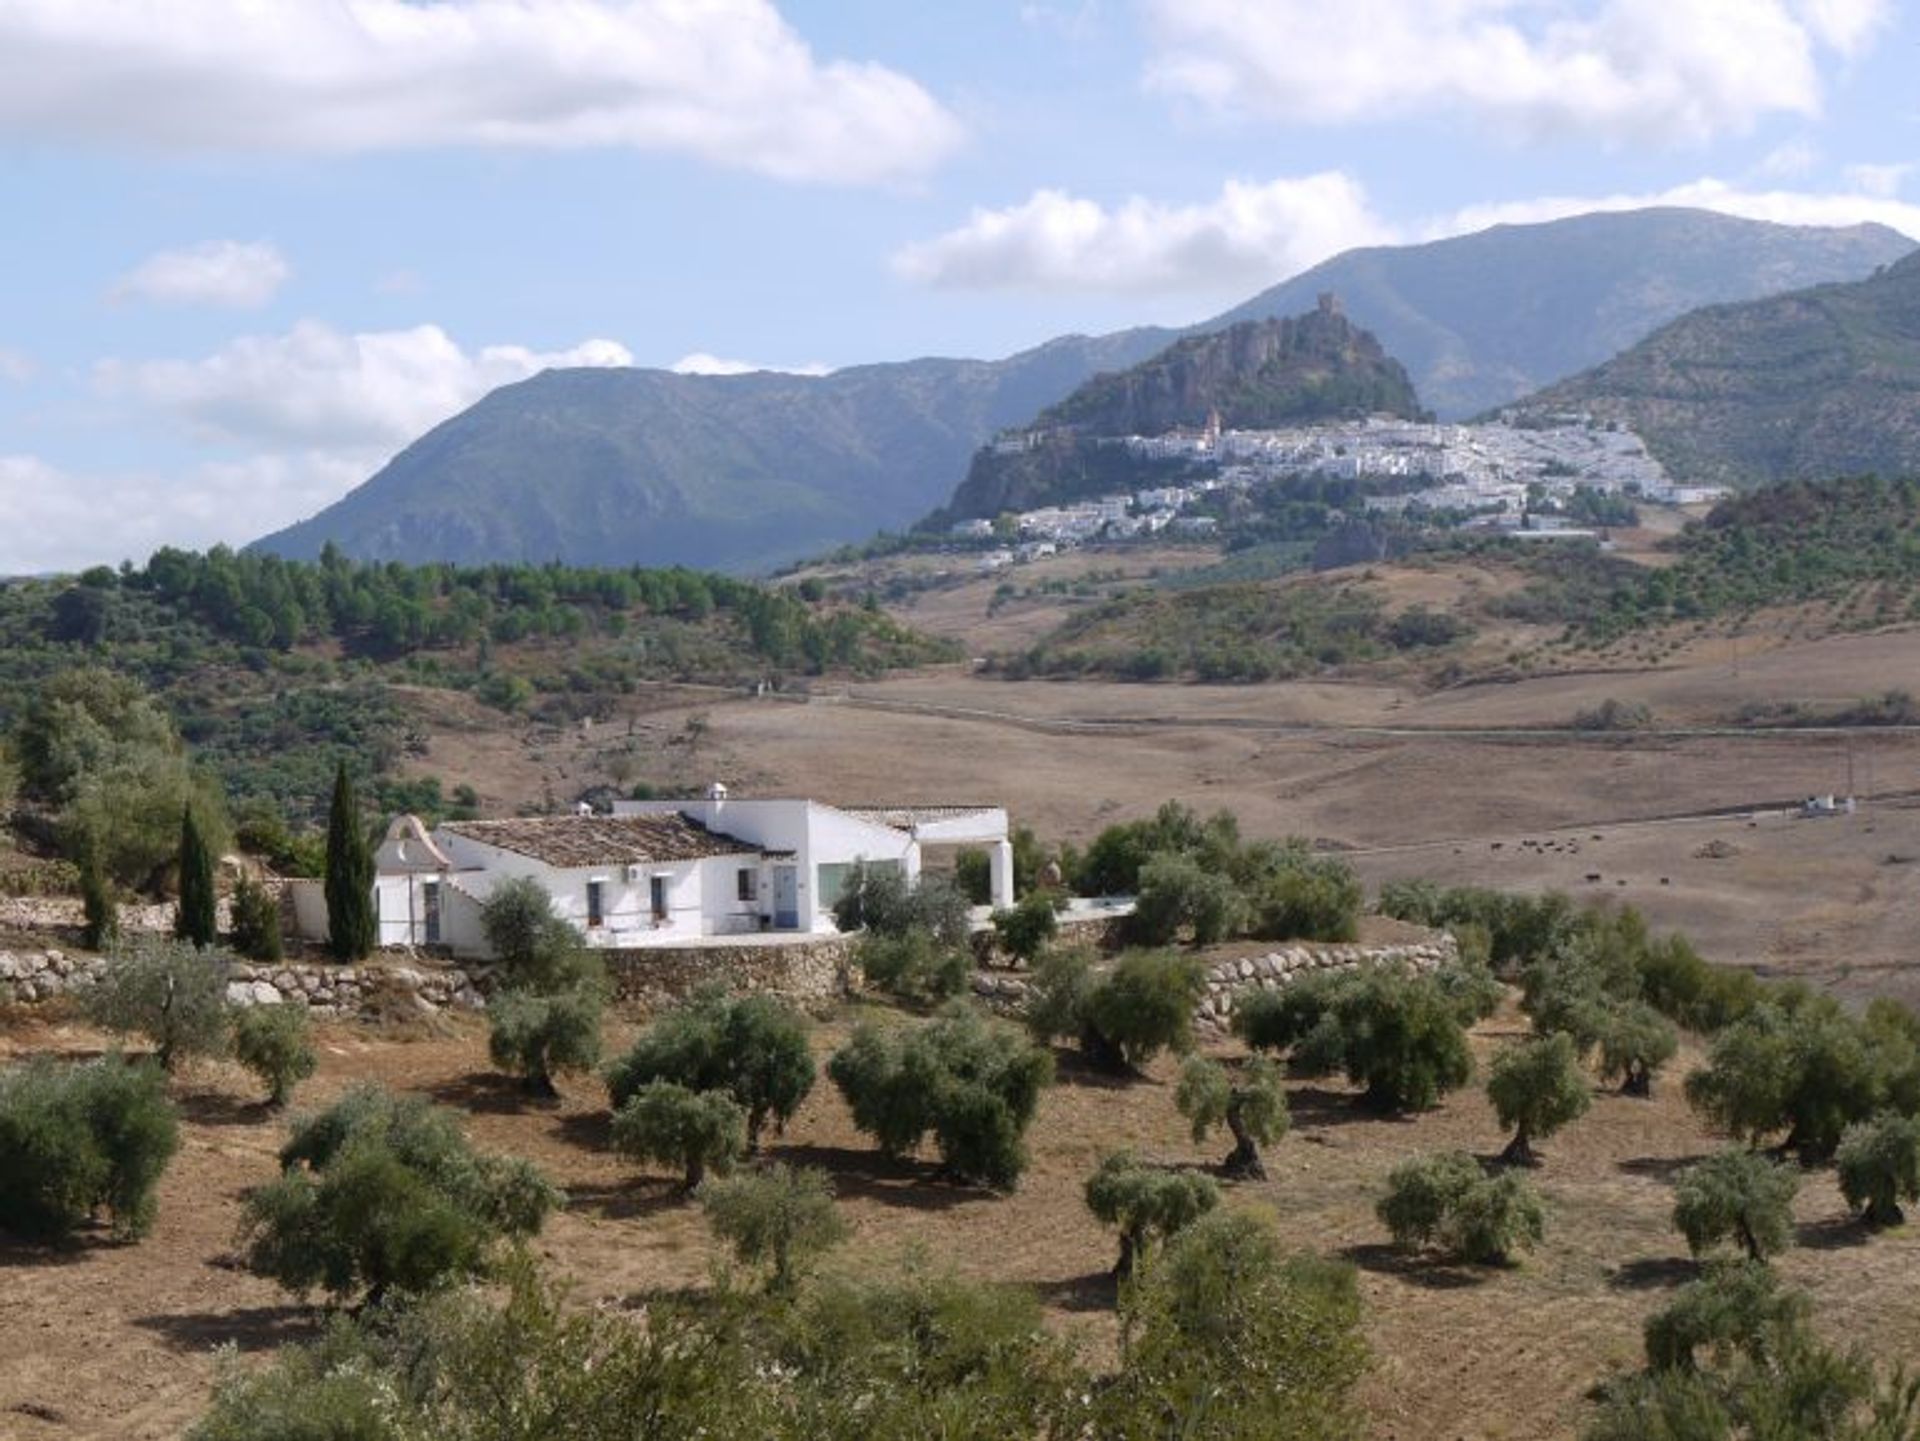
(665, 873)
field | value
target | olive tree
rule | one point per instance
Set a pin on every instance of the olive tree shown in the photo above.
(1028, 928)
(274, 1043)
(77, 1139)
(535, 1036)
(382, 1193)
(691, 1131)
(778, 1217)
(1394, 1033)
(1879, 1166)
(1635, 1042)
(545, 1017)
(1177, 893)
(971, 1083)
(1125, 1018)
(1252, 1105)
(1146, 1204)
(1446, 1201)
(1736, 1195)
(172, 992)
(752, 1048)
(1537, 1087)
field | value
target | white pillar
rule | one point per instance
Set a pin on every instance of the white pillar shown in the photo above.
(1001, 875)
(910, 864)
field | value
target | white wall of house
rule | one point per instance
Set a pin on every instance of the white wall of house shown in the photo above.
(816, 835)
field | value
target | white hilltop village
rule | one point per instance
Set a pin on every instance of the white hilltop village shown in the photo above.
(1504, 476)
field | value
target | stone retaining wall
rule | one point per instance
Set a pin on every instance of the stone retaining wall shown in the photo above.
(812, 973)
(1007, 993)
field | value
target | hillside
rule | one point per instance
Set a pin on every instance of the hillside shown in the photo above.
(1256, 375)
(741, 473)
(1483, 319)
(1816, 383)
(736, 473)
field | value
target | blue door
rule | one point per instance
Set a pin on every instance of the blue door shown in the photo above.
(786, 898)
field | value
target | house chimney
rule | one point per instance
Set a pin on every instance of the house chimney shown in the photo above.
(717, 798)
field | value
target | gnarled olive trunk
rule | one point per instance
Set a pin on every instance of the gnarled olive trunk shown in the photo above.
(1519, 1150)
(1244, 1164)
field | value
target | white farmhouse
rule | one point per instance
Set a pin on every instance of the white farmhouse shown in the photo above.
(665, 873)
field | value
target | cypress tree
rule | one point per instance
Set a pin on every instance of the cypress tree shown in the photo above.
(96, 897)
(196, 919)
(350, 918)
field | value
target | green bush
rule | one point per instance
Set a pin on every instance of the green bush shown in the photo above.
(172, 992)
(1736, 1195)
(1231, 1340)
(1471, 988)
(913, 967)
(754, 1048)
(1146, 1204)
(1028, 928)
(380, 1193)
(75, 1139)
(1177, 894)
(1635, 1042)
(536, 1037)
(1537, 1087)
(973, 1084)
(1143, 1006)
(1735, 1306)
(778, 1217)
(256, 921)
(1294, 894)
(877, 898)
(689, 1131)
(1252, 1105)
(1393, 1032)
(1879, 1167)
(274, 1043)
(1445, 1201)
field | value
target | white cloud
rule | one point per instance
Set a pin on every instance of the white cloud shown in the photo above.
(701, 363)
(15, 365)
(1790, 160)
(316, 386)
(242, 276)
(727, 81)
(1883, 181)
(1783, 207)
(1250, 234)
(1619, 70)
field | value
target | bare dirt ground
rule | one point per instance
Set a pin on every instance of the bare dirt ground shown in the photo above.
(110, 1341)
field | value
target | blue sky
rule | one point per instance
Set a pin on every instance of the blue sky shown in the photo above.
(254, 247)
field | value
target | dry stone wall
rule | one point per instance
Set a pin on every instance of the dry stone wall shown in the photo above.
(1228, 979)
(808, 973)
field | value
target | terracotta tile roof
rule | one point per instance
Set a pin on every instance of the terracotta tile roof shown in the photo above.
(573, 841)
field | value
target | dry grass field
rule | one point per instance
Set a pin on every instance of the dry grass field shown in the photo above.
(118, 1342)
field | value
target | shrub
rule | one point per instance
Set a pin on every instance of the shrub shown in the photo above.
(1537, 1087)
(1736, 1195)
(1145, 1203)
(1395, 1033)
(1143, 1006)
(380, 1193)
(1736, 1306)
(1471, 988)
(1232, 1339)
(1294, 894)
(1057, 994)
(1178, 894)
(877, 898)
(79, 1138)
(913, 967)
(691, 1131)
(1282, 1019)
(754, 1048)
(534, 1036)
(778, 1217)
(172, 992)
(1253, 1106)
(972, 1083)
(256, 921)
(1635, 1042)
(1879, 1166)
(1028, 928)
(1447, 1202)
(272, 1042)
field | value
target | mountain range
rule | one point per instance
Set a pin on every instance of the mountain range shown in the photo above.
(743, 472)
(1804, 386)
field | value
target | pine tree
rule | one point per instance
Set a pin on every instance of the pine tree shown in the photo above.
(350, 918)
(196, 920)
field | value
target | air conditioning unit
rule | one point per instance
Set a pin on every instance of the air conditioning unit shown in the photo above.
(636, 874)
